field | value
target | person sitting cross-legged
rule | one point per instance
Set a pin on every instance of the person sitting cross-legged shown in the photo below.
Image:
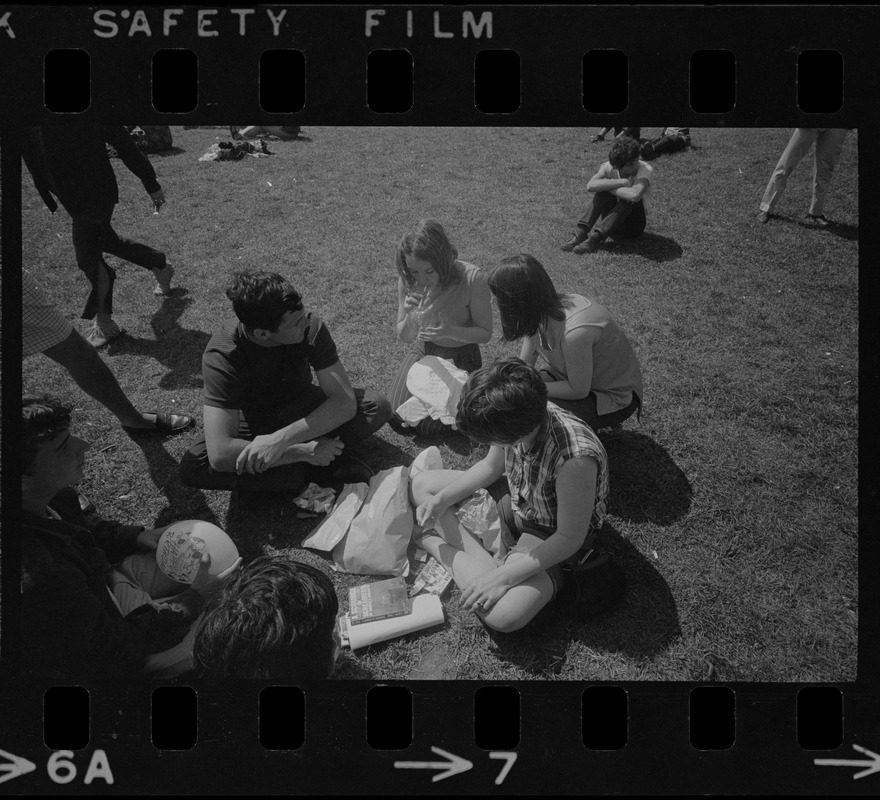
(553, 474)
(619, 188)
(268, 426)
(94, 604)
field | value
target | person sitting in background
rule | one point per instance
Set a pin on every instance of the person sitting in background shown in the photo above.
(268, 427)
(81, 618)
(275, 620)
(443, 304)
(590, 368)
(549, 477)
(619, 189)
(45, 330)
(633, 133)
(283, 132)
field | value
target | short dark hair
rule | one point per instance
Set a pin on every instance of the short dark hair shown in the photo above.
(502, 403)
(428, 240)
(261, 299)
(624, 151)
(43, 418)
(273, 620)
(525, 295)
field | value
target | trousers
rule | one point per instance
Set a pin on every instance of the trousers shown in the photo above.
(373, 411)
(829, 145)
(93, 235)
(609, 215)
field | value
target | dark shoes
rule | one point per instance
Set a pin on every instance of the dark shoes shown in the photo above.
(819, 221)
(763, 217)
(597, 138)
(591, 245)
(592, 588)
(578, 238)
(164, 424)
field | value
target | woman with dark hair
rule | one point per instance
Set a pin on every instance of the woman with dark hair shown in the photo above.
(443, 305)
(588, 363)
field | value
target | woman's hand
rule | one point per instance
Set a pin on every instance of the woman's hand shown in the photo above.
(433, 327)
(485, 591)
(429, 512)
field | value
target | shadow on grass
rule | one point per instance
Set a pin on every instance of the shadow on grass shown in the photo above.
(843, 230)
(183, 502)
(178, 349)
(643, 625)
(645, 483)
(173, 151)
(649, 245)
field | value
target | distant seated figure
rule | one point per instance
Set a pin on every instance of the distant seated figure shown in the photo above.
(285, 132)
(94, 604)
(619, 189)
(268, 426)
(633, 133)
(275, 620)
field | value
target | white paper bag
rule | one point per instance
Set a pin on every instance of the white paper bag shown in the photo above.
(378, 537)
(336, 524)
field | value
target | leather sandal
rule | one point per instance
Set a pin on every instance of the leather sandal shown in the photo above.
(165, 424)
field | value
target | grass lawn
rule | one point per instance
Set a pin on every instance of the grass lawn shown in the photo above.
(733, 505)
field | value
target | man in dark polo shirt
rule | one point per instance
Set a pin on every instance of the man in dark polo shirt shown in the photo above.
(268, 426)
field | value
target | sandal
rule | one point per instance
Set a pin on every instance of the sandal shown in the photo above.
(166, 424)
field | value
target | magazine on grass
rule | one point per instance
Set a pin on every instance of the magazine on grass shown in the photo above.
(377, 600)
(425, 610)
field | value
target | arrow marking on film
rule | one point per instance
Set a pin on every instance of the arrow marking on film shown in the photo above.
(873, 765)
(452, 766)
(14, 766)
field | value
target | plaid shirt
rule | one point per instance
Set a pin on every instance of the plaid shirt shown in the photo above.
(532, 474)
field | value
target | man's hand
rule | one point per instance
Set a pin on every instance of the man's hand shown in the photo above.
(261, 454)
(321, 451)
(158, 198)
(207, 584)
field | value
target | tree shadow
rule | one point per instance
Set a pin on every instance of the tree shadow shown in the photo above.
(646, 485)
(649, 245)
(644, 624)
(183, 502)
(178, 349)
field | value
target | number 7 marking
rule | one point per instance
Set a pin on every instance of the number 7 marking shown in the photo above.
(509, 758)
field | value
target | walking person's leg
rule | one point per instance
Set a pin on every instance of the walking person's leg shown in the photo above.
(829, 146)
(798, 146)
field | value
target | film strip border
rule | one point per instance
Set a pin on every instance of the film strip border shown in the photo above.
(763, 743)
(486, 65)
(529, 739)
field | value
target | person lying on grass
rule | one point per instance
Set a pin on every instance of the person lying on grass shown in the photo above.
(549, 474)
(82, 618)
(589, 365)
(443, 305)
(268, 426)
